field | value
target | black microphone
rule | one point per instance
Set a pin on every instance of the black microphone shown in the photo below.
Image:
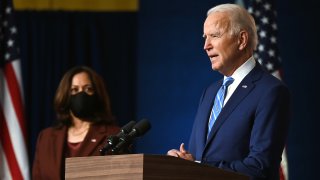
(138, 130)
(114, 140)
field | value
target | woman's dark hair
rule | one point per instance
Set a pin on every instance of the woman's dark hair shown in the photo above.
(103, 114)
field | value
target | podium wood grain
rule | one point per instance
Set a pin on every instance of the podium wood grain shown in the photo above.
(143, 167)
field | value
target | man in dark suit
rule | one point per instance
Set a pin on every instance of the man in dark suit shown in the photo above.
(242, 120)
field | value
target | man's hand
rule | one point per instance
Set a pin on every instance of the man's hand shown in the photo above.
(183, 153)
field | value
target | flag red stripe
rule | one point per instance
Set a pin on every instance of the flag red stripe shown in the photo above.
(281, 174)
(13, 132)
(8, 149)
(15, 95)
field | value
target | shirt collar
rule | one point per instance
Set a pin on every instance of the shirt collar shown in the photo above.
(243, 70)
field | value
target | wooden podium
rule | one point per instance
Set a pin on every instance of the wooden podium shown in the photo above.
(141, 166)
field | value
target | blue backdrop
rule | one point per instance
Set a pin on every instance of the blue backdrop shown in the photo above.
(155, 67)
(173, 69)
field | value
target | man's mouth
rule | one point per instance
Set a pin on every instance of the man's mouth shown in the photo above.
(213, 56)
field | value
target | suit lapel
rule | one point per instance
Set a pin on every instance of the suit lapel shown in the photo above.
(243, 89)
(89, 144)
(59, 141)
(92, 140)
(205, 111)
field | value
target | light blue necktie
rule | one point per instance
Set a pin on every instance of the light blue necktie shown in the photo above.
(218, 102)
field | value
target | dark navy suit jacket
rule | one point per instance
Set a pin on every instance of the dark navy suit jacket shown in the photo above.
(250, 132)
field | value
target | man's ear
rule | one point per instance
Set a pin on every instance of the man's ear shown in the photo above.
(243, 40)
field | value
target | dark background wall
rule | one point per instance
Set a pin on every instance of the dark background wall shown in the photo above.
(155, 67)
(53, 42)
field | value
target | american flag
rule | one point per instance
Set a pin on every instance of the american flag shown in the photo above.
(13, 152)
(267, 52)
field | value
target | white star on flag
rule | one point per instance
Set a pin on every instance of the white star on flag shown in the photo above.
(267, 53)
(14, 162)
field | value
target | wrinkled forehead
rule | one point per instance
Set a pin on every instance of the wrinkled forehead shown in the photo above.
(217, 21)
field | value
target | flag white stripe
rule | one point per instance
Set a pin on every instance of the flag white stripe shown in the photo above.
(14, 128)
(277, 74)
(16, 64)
(240, 2)
(284, 161)
(4, 166)
(284, 164)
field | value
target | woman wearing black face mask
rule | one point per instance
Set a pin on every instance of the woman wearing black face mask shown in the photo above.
(84, 118)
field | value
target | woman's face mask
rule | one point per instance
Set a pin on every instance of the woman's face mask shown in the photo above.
(83, 105)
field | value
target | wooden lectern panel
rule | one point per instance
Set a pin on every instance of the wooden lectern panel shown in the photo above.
(143, 167)
(105, 167)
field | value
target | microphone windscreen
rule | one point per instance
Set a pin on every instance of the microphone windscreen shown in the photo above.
(128, 127)
(142, 127)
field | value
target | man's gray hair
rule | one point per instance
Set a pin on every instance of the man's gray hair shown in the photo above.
(240, 19)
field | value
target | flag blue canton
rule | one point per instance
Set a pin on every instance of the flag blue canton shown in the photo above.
(8, 34)
(267, 52)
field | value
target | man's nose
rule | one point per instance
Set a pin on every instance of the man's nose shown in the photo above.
(207, 45)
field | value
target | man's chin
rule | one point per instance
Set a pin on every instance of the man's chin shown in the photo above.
(214, 67)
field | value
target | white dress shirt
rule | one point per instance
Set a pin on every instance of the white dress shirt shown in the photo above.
(238, 76)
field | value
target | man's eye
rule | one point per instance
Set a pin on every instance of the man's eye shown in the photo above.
(214, 35)
(204, 36)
